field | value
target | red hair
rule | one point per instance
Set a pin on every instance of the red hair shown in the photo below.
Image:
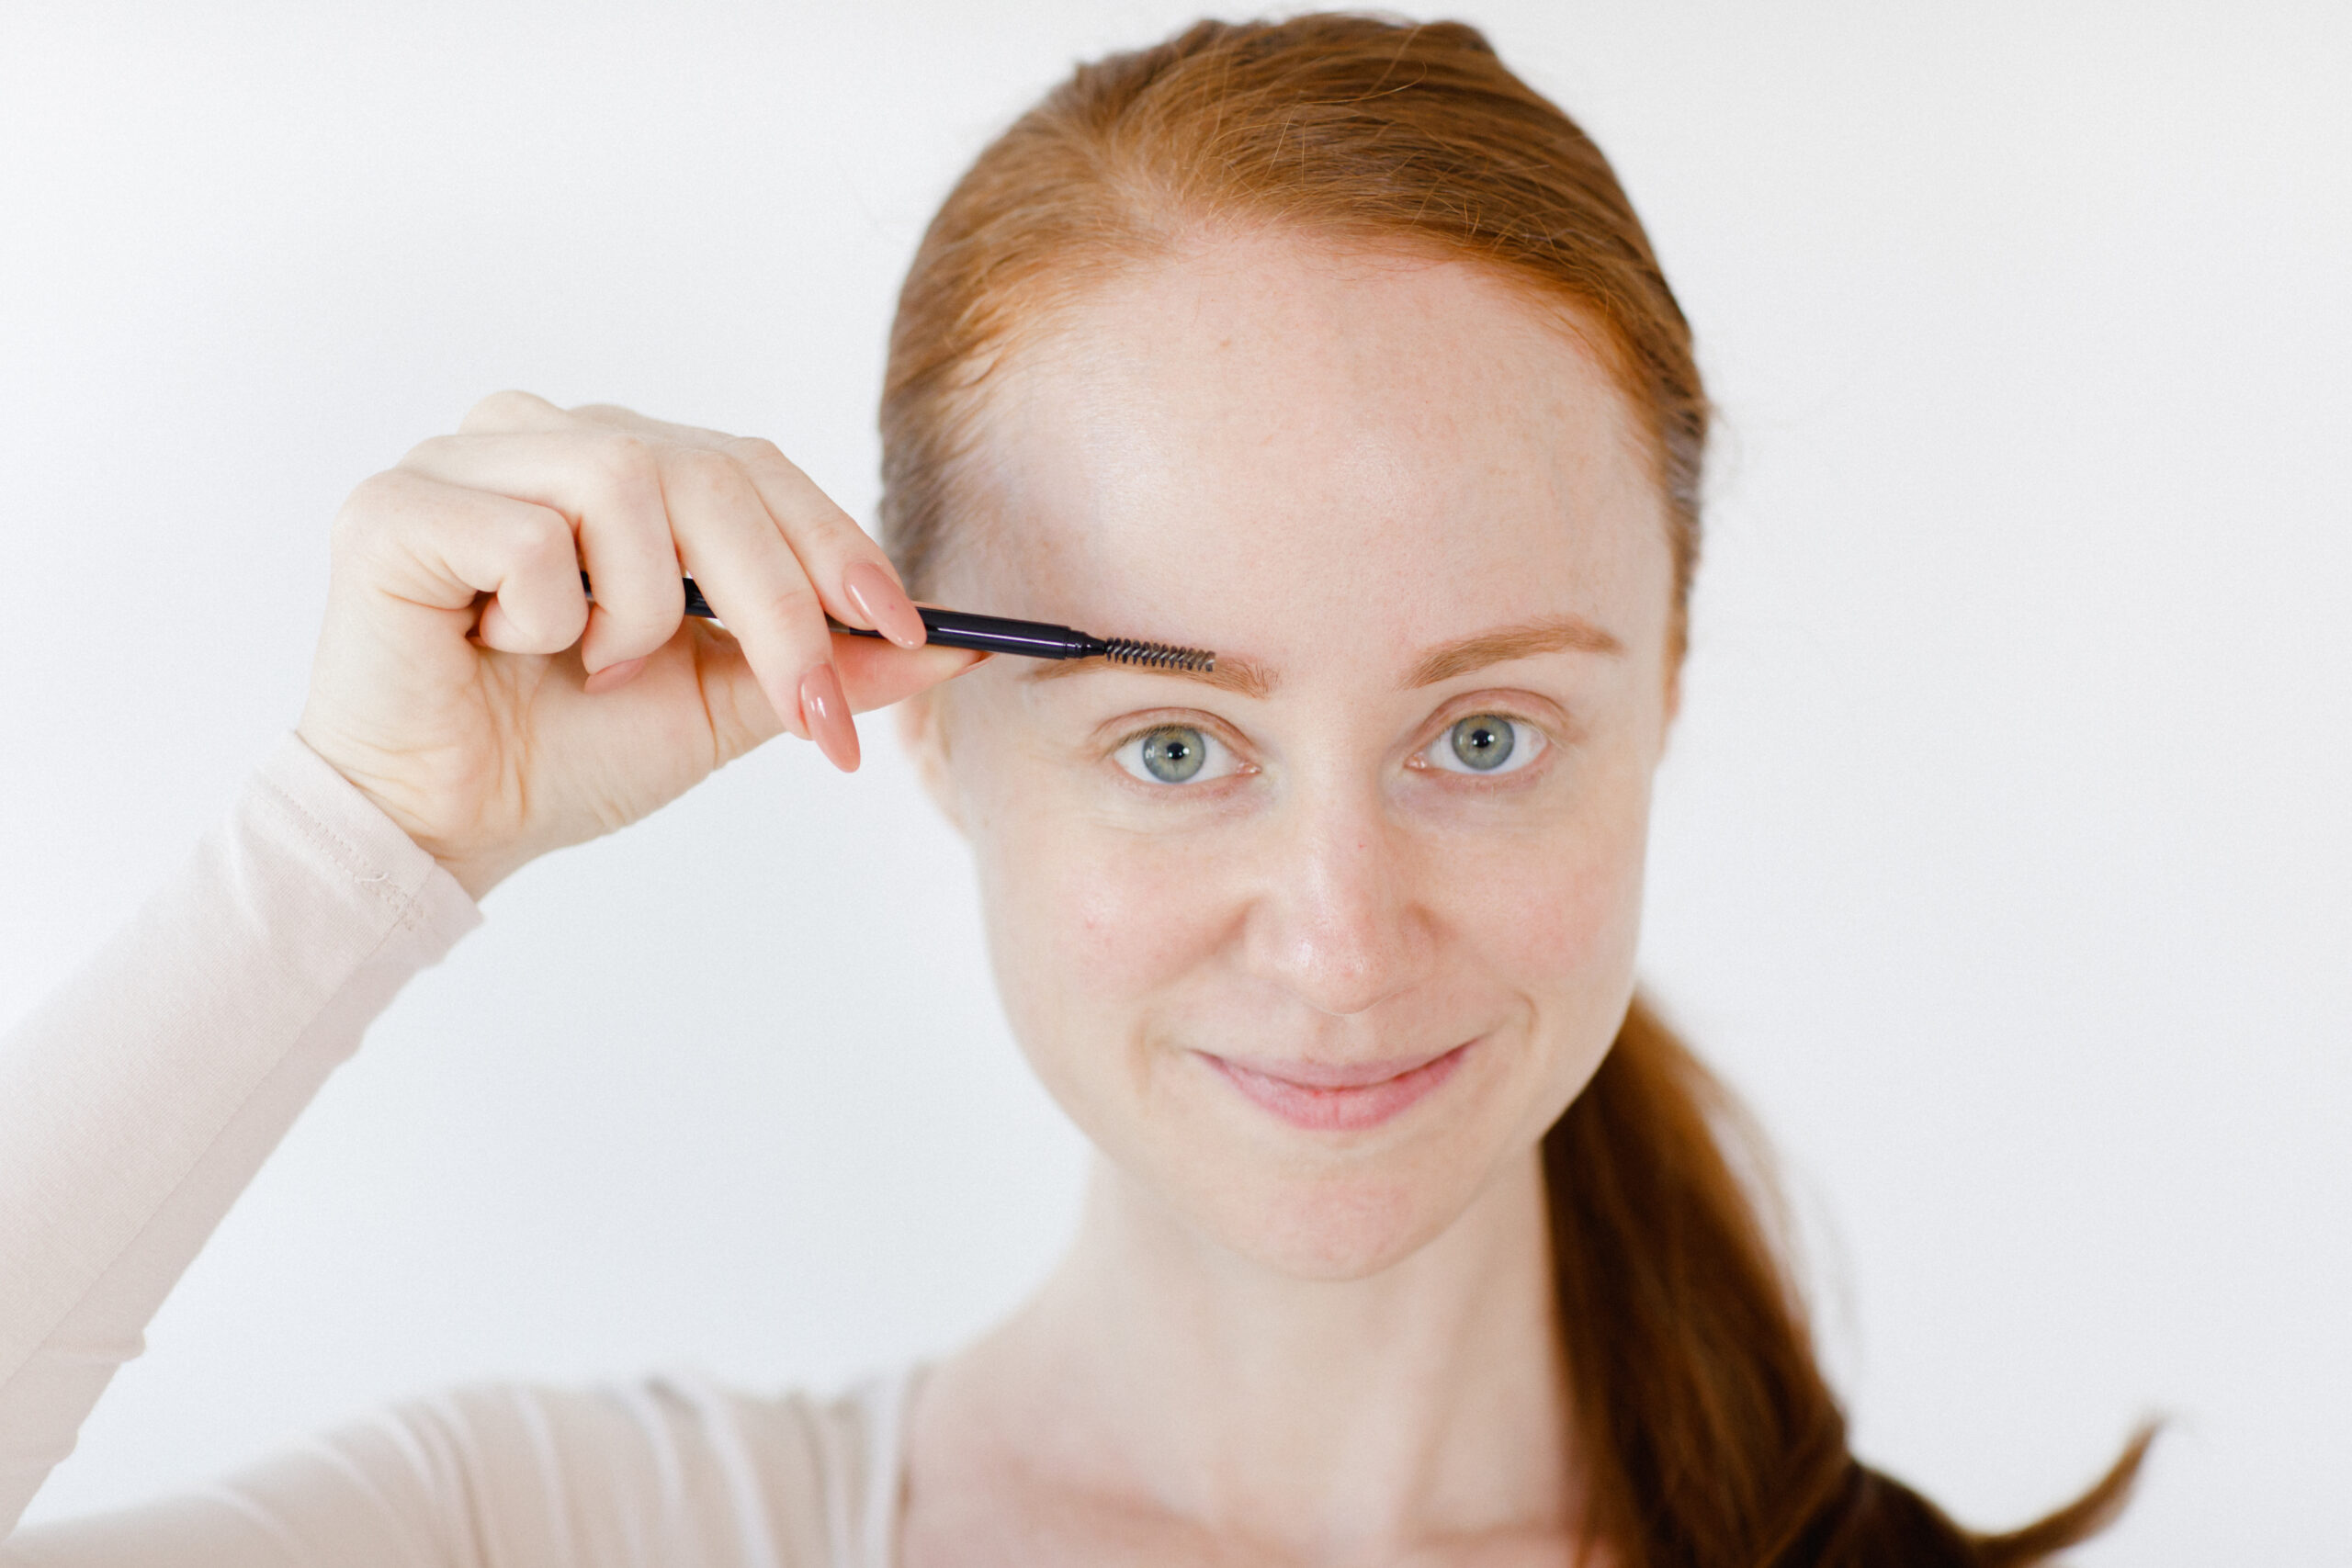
(1712, 1439)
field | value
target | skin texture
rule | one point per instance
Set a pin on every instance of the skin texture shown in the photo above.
(1393, 493)
(1275, 1343)
(465, 683)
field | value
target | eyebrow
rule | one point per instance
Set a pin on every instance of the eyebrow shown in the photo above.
(1549, 633)
(1245, 677)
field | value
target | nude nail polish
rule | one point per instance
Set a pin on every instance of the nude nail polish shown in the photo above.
(825, 709)
(882, 602)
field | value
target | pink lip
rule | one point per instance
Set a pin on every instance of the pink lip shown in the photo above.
(1341, 1097)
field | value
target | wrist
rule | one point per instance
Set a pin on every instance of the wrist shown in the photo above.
(476, 874)
(476, 868)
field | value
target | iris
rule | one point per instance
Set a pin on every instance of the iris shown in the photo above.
(1173, 755)
(1484, 742)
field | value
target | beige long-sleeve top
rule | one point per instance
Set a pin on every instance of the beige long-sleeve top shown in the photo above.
(136, 1104)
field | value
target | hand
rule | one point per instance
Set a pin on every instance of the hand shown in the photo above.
(466, 685)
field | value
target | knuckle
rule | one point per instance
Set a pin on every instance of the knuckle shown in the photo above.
(376, 491)
(626, 465)
(793, 606)
(542, 535)
(828, 525)
(711, 473)
(758, 452)
(714, 487)
(625, 451)
(806, 504)
(363, 510)
(428, 452)
(502, 410)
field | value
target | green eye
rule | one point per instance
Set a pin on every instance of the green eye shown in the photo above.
(1173, 755)
(1485, 743)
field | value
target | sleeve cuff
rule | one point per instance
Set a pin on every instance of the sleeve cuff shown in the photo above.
(352, 833)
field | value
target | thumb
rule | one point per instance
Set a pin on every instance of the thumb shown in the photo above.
(873, 674)
(741, 714)
(876, 673)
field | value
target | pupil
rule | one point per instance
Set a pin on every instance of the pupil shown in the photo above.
(1172, 756)
(1482, 742)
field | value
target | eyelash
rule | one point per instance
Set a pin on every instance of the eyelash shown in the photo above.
(1526, 748)
(1529, 742)
(1219, 760)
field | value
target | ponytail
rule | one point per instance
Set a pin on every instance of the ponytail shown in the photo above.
(1714, 1441)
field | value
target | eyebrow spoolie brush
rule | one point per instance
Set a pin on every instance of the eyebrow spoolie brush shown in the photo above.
(1031, 639)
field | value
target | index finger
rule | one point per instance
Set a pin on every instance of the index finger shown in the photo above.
(855, 578)
(852, 576)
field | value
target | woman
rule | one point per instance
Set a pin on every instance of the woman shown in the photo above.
(1328, 345)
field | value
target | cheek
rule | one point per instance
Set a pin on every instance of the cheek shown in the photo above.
(1556, 912)
(1095, 938)
(1122, 917)
(1088, 924)
(1577, 925)
(1558, 932)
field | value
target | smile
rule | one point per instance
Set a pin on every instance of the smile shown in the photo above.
(1341, 1097)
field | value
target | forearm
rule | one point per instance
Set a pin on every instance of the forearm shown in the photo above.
(137, 1102)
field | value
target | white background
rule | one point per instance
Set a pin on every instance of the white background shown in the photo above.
(2003, 857)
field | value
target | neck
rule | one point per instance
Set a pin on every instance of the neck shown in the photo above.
(1331, 1420)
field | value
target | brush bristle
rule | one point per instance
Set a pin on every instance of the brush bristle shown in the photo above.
(1159, 656)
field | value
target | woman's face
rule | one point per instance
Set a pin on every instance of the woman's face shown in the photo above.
(1315, 949)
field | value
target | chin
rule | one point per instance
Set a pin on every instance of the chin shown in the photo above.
(1334, 1226)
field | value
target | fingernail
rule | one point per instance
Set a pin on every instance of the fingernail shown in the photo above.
(612, 675)
(883, 603)
(826, 711)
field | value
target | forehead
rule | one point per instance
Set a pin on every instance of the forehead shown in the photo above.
(1264, 424)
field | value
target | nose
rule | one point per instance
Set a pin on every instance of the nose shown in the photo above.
(1338, 921)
